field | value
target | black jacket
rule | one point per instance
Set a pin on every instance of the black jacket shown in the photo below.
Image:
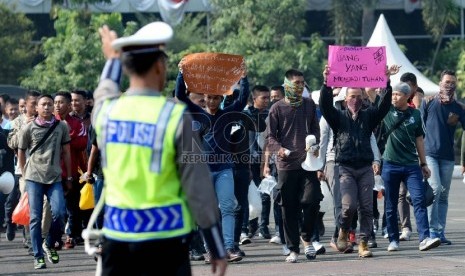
(353, 136)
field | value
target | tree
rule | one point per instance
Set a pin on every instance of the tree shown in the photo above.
(437, 15)
(345, 20)
(73, 58)
(16, 48)
(267, 34)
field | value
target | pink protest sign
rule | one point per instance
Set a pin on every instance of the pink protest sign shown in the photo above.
(352, 66)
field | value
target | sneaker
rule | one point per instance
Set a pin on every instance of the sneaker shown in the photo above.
(292, 258)
(10, 231)
(393, 246)
(275, 239)
(286, 250)
(238, 250)
(320, 249)
(195, 255)
(244, 239)
(429, 243)
(39, 263)
(372, 243)
(405, 236)
(310, 252)
(52, 254)
(264, 233)
(30, 251)
(69, 243)
(233, 256)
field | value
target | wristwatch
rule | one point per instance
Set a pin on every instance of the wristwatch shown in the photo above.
(70, 178)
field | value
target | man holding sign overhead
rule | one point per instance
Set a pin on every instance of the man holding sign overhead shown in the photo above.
(353, 128)
(216, 124)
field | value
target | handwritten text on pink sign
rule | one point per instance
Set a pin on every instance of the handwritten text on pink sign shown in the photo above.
(352, 66)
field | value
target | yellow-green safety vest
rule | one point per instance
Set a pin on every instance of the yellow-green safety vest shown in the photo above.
(143, 195)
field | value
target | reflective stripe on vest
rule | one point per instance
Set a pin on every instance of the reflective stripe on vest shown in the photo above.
(156, 219)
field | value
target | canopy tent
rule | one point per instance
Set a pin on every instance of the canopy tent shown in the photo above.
(382, 36)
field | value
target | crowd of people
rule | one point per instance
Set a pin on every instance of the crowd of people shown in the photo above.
(158, 199)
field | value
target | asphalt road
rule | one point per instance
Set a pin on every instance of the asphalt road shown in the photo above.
(263, 258)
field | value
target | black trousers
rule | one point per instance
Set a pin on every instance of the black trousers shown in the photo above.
(300, 193)
(155, 257)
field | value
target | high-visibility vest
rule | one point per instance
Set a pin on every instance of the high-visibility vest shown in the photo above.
(143, 195)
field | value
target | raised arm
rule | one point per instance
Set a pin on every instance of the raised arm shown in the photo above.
(108, 87)
(180, 93)
(241, 101)
(328, 111)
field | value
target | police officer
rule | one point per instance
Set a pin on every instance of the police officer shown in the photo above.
(153, 196)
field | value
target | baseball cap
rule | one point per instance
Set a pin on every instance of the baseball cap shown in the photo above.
(150, 35)
(402, 87)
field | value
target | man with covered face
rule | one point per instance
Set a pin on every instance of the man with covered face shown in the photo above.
(290, 121)
(353, 128)
(441, 115)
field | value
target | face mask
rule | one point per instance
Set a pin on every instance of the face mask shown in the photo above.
(293, 92)
(354, 104)
(446, 92)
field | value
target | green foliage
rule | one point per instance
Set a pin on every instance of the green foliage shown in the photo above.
(267, 34)
(73, 58)
(16, 48)
(460, 71)
(345, 18)
(447, 57)
(437, 14)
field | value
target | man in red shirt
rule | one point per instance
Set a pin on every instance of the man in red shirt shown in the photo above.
(78, 144)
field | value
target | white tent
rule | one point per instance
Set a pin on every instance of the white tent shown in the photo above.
(382, 36)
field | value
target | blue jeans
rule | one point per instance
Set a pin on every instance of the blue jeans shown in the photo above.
(441, 178)
(224, 188)
(55, 196)
(413, 178)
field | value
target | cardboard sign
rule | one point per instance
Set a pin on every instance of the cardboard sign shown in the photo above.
(212, 73)
(357, 66)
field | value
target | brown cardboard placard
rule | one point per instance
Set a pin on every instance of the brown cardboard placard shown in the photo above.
(212, 73)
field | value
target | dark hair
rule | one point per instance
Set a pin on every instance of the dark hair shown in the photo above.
(44, 96)
(409, 77)
(259, 88)
(5, 97)
(89, 95)
(420, 90)
(12, 101)
(448, 72)
(279, 88)
(293, 73)
(139, 59)
(81, 92)
(32, 93)
(65, 95)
